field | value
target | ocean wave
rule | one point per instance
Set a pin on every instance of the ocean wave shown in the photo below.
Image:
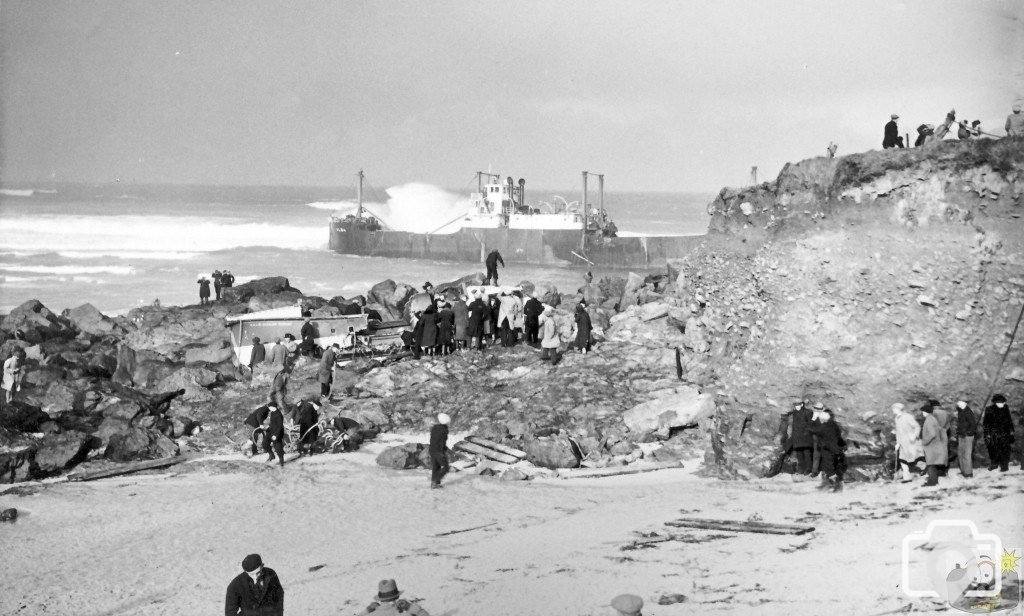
(137, 254)
(68, 270)
(17, 192)
(335, 206)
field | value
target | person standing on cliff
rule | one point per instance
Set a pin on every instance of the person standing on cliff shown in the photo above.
(204, 290)
(966, 429)
(934, 440)
(439, 450)
(892, 138)
(257, 590)
(492, 261)
(1015, 123)
(227, 279)
(216, 283)
(999, 437)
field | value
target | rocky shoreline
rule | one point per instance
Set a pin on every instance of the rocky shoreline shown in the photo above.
(858, 281)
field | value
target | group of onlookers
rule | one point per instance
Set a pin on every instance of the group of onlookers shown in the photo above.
(816, 441)
(928, 133)
(221, 280)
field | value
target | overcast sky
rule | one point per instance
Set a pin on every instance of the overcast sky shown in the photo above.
(657, 95)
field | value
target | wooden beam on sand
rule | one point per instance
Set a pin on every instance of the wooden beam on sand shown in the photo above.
(486, 452)
(598, 473)
(497, 446)
(463, 530)
(737, 526)
(125, 469)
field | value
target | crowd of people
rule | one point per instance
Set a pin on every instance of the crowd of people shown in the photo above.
(930, 133)
(221, 280)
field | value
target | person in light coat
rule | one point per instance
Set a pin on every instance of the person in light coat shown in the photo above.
(909, 451)
(14, 373)
(325, 370)
(936, 445)
(550, 341)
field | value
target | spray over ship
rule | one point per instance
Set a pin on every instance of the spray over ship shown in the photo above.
(498, 217)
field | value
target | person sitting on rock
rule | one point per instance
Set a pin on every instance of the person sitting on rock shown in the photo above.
(832, 445)
(257, 590)
(388, 603)
(255, 420)
(259, 353)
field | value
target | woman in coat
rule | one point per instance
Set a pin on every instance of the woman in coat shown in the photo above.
(460, 311)
(477, 312)
(909, 452)
(429, 324)
(491, 325)
(549, 335)
(445, 329)
(583, 328)
(936, 446)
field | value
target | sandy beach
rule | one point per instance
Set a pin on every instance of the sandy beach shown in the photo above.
(169, 542)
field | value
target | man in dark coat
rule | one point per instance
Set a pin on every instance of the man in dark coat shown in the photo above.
(439, 450)
(308, 414)
(273, 442)
(204, 290)
(892, 137)
(428, 323)
(308, 334)
(352, 432)
(446, 329)
(966, 429)
(255, 420)
(216, 282)
(475, 328)
(257, 591)
(531, 319)
(583, 328)
(259, 353)
(833, 460)
(492, 261)
(800, 441)
(227, 279)
(999, 436)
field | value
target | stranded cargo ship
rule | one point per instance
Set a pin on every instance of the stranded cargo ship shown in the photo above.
(499, 218)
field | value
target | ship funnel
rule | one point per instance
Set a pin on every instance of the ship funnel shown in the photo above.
(522, 192)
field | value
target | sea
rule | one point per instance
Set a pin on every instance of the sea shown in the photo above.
(119, 246)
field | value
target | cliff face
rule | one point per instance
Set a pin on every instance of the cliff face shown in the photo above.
(893, 276)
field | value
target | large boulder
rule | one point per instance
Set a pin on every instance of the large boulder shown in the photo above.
(213, 353)
(390, 298)
(17, 416)
(258, 303)
(58, 398)
(547, 293)
(33, 322)
(678, 408)
(139, 444)
(125, 370)
(168, 331)
(551, 452)
(631, 292)
(401, 457)
(379, 382)
(91, 321)
(263, 286)
(195, 380)
(61, 451)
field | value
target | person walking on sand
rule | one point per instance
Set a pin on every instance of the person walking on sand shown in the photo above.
(999, 437)
(892, 138)
(583, 328)
(325, 371)
(627, 605)
(257, 591)
(966, 429)
(204, 290)
(388, 602)
(273, 442)
(833, 460)
(909, 451)
(492, 261)
(934, 440)
(1015, 123)
(14, 373)
(439, 450)
(259, 353)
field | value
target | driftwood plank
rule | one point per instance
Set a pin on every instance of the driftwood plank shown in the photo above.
(597, 473)
(464, 530)
(740, 526)
(496, 446)
(125, 469)
(486, 452)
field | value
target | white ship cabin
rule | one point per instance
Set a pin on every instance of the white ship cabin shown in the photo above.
(500, 205)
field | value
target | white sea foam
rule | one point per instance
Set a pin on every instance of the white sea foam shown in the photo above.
(166, 255)
(68, 270)
(415, 207)
(16, 192)
(348, 207)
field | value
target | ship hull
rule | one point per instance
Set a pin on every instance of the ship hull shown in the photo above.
(534, 246)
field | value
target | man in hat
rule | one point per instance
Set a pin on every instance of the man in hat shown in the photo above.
(831, 443)
(439, 450)
(308, 334)
(1015, 123)
(477, 314)
(935, 442)
(227, 279)
(800, 441)
(257, 591)
(259, 353)
(627, 605)
(966, 429)
(387, 602)
(892, 137)
(999, 436)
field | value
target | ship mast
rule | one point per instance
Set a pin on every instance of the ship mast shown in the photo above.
(359, 207)
(583, 236)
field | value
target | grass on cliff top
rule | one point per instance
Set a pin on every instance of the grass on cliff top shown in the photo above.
(1002, 155)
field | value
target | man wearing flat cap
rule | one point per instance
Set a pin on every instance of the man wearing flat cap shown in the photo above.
(256, 591)
(627, 605)
(892, 137)
(387, 602)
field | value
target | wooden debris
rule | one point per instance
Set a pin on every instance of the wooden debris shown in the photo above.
(597, 473)
(486, 452)
(316, 568)
(124, 469)
(463, 530)
(740, 526)
(497, 446)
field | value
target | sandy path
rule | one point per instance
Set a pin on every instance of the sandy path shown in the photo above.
(169, 543)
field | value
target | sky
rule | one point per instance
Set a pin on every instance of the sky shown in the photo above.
(658, 96)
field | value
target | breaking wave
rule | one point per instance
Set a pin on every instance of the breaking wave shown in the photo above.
(67, 270)
(416, 207)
